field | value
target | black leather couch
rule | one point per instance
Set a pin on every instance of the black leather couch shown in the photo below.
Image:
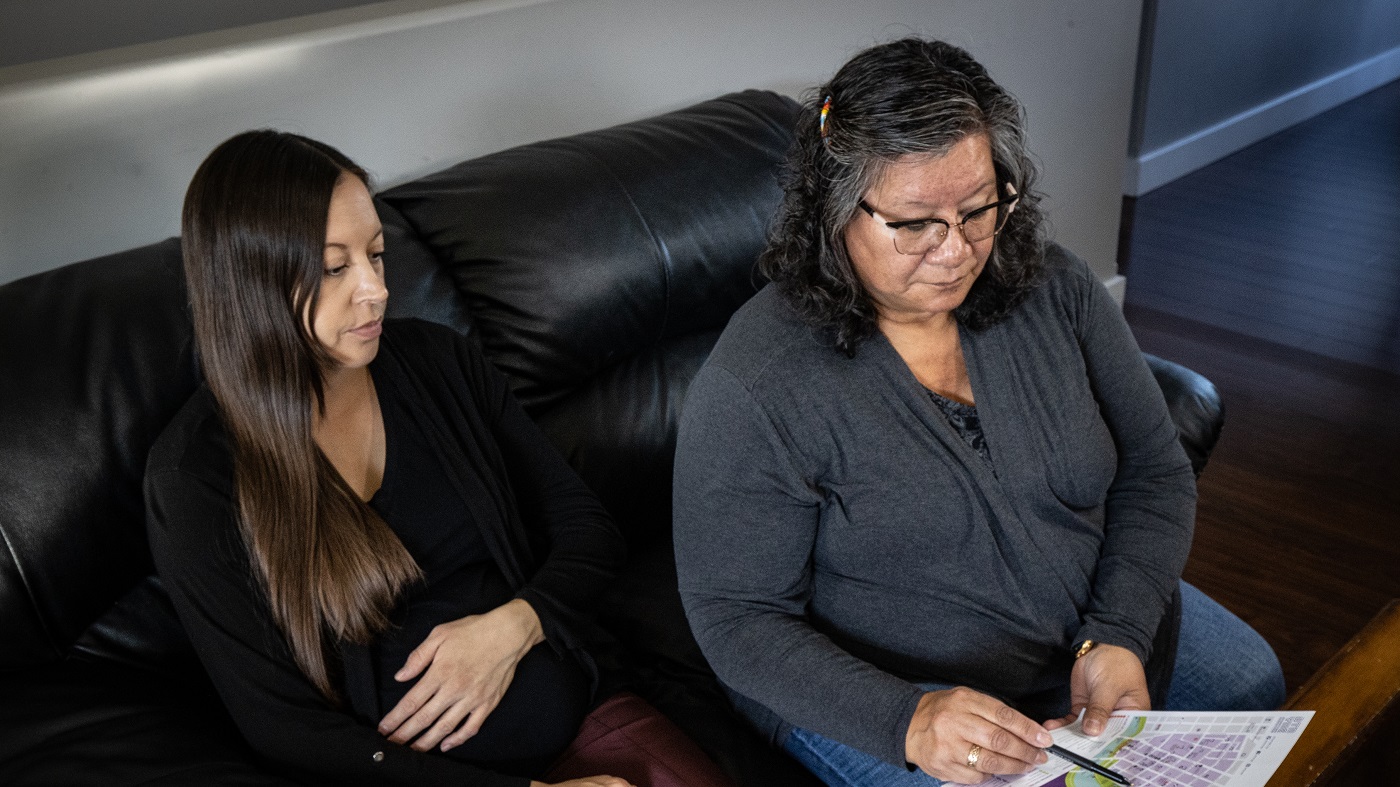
(597, 271)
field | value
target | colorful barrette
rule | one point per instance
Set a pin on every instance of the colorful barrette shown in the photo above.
(826, 110)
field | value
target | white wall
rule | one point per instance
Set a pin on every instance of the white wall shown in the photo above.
(43, 29)
(1220, 76)
(96, 149)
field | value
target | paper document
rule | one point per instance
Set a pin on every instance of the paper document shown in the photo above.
(1173, 749)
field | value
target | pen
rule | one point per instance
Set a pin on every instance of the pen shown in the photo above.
(1088, 765)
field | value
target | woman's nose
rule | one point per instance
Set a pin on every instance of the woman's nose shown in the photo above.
(370, 287)
(953, 247)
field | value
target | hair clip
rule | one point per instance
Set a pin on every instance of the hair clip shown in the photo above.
(821, 124)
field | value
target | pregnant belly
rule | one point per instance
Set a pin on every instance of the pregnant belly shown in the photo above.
(537, 718)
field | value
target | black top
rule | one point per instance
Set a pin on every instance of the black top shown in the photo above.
(963, 418)
(547, 539)
(550, 694)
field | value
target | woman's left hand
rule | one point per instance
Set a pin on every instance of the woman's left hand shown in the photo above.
(470, 662)
(1106, 679)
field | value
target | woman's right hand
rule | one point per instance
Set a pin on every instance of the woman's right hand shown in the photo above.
(587, 782)
(466, 666)
(948, 724)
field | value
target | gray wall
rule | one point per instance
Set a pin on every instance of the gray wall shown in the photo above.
(1211, 60)
(97, 148)
(42, 29)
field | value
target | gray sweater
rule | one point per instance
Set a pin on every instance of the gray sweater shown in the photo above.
(837, 541)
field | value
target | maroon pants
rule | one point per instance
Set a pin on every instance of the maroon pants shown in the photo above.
(628, 738)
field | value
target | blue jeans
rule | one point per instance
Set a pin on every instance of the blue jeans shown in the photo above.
(1221, 664)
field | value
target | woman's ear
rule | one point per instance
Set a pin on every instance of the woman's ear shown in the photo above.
(1010, 191)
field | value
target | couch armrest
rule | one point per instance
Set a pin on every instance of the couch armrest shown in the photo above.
(1195, 407)
(1352, 695)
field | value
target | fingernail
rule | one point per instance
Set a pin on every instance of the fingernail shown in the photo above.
(445, 746)
(1044, 739)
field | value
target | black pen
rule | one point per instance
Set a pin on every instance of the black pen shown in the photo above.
(1088, 765)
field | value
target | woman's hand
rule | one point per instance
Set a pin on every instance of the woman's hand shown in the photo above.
(1106, 679)
(587, 782)
(947, 726)
(470, 663)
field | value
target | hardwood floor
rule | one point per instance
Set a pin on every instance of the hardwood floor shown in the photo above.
(1296, 522)
(1295, 239)
(1276, 274)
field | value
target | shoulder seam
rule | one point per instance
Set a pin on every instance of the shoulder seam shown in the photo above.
(760, 370)
(792, 453)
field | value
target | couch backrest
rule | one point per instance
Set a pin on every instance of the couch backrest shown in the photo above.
(598, 271)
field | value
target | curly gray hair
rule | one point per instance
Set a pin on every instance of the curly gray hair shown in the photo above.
(906, 97)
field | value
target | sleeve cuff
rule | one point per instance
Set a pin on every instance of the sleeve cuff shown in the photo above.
(897, 754)
(1106, 634)
(559, 637)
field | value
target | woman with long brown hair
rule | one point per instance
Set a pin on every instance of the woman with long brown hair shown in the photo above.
(383, 565)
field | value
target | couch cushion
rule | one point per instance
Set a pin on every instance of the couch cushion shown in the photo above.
(97, 356)
(418, 285)
(599, 268)
(98, 723)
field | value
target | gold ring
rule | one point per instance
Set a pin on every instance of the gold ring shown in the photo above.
(973, 755)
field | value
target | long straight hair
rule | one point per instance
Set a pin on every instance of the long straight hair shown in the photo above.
(253, 240)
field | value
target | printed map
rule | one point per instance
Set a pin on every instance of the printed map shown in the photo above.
(1167, 749)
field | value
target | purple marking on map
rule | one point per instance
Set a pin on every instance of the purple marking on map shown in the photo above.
(1184, 745)
(1191, 759)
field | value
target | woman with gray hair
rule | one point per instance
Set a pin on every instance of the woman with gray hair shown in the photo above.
(927, 491)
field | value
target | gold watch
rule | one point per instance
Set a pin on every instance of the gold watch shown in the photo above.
(1084, 647)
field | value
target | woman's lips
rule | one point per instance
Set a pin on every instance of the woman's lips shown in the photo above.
(369, 330)
(945, 284)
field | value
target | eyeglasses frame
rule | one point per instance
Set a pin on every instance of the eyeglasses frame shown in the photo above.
(895, 226)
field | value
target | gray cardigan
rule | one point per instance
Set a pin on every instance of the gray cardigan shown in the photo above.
(836, 540)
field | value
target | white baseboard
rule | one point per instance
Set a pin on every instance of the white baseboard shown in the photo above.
(1165, 164)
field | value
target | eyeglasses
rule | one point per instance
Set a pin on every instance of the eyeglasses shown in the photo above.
(921, 236)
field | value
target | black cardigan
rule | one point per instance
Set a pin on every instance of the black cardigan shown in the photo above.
(547, 532)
